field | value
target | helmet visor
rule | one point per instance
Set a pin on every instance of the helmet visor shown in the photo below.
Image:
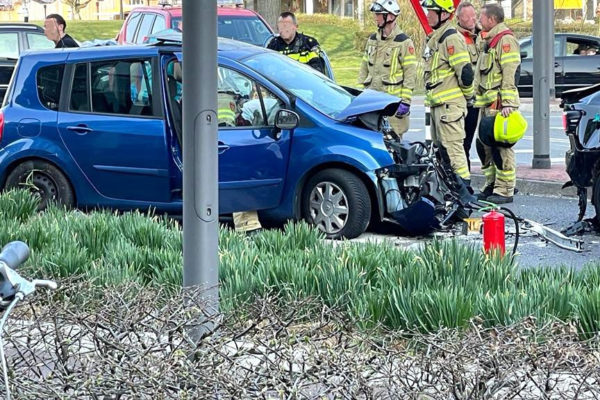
(377, 9)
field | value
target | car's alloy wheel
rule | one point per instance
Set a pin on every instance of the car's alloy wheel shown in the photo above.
(337, 203)
(328, 207)
(44, 179)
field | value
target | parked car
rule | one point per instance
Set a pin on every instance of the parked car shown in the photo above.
(582, 126)
(14, 39)
(232, 22)
(102, 127)
(576, 62)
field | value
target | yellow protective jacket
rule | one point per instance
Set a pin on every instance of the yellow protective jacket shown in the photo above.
(497, 72)
(448, 69)
(389, 64)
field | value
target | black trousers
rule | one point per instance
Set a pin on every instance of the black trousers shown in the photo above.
(470, 128)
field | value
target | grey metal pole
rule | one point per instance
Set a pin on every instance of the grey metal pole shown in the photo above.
(543, 69)
(200, 186)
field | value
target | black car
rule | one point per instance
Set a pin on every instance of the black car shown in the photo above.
(576, 62)
(582, 125)
(15, 38)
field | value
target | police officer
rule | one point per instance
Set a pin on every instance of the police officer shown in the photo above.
(496, 76)
(448, 84)
(389, 63)
(295, 45)
(466, 19)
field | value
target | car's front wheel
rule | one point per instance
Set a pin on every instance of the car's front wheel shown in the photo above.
(337, 203)
(42, 178)
(596, 194)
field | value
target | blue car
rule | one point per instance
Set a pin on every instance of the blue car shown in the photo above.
(102, 127)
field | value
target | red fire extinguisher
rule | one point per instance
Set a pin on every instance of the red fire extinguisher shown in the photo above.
(493, 231)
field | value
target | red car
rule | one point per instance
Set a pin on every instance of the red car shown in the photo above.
(233, 23)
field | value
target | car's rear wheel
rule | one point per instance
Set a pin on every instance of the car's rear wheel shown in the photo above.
(337, 203)
(44, 179)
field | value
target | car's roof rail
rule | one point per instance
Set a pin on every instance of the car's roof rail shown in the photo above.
(230, 3)
(22, 25)
(166, 39)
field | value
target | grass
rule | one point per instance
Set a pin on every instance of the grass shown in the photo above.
(443, 285)
(88, 30)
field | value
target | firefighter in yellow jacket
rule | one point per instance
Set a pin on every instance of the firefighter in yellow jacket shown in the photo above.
(496, 77)
(448, 84)
(389, 63)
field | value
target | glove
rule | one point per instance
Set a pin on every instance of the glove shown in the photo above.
(403, 110)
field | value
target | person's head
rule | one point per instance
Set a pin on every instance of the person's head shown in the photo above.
(438, 11)
(385, 12)
(466, 15)
(54, 27)
(490, 16)
(287, 25)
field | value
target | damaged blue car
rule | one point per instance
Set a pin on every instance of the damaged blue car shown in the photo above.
(102, 127)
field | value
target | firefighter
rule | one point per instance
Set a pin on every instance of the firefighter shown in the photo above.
(295, 45)
(389, 63)
(466, 19)
(448, 84)
(496, 76)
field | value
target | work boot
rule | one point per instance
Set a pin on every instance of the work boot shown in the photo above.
(485, 193)
(499, 199)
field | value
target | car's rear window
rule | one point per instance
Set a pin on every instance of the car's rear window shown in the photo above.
(245, 29)
(49, 81)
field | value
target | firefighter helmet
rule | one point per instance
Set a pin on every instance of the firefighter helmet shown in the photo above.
(441, 5)
(501, 131)
(385, 7)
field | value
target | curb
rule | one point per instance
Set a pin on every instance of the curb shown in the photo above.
(534, 187)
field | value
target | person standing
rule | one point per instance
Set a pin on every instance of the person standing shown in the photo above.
(467, 26)
(389, 63)
(497, 76)
(54, 29)
(300, 47)
(449, 85)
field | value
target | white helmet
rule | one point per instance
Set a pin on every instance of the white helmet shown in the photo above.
(385, 7)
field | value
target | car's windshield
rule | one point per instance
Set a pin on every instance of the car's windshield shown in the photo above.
(302, 81)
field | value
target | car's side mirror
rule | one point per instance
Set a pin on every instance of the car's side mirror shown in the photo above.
(286, 120)
(523, 55)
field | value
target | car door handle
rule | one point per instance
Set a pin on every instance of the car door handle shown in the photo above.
(223, 147)
(79, 129)
(556, 65)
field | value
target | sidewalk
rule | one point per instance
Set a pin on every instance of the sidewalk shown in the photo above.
(541, 182)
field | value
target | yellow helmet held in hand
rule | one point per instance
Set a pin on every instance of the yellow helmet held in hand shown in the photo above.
(441, 5)
(501, 131)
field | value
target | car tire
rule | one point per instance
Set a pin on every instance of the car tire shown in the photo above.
(45, 179)
(337, 202)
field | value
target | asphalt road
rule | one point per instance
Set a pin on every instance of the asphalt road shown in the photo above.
(554, 212)
(559, 143)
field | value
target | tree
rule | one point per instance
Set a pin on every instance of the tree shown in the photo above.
(269, 9)
(76, 6)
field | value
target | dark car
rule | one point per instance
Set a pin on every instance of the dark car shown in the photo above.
(232, 22)
(582, 125)
(14, 39)
(576, 62)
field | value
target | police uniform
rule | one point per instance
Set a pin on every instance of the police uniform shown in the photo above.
(302, 48)
(390, 65)
(472, 112)
(496, 77)
(448, 83)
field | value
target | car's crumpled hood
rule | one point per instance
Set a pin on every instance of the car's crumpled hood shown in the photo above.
(367, 102)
